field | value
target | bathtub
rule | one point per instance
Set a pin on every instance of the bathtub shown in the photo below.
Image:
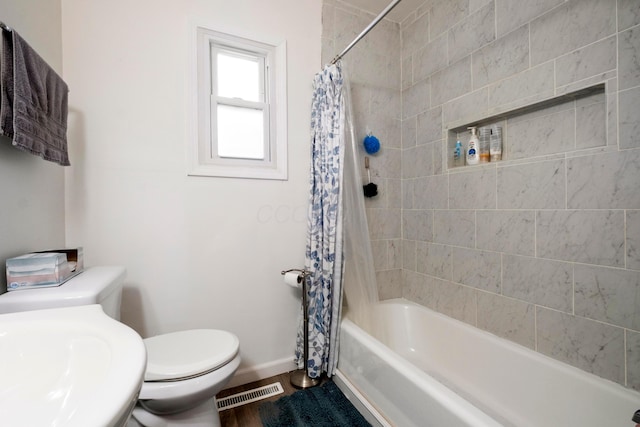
(425, 369)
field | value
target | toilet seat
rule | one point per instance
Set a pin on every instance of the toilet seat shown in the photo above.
(186, 354)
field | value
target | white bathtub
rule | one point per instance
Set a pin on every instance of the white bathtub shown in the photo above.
(426, 369)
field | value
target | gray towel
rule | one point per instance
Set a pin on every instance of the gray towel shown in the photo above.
(6, 85)
(33, 109)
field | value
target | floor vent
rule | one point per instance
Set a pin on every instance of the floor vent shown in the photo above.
(249, 396)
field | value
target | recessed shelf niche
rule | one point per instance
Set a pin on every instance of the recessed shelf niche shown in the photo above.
(560, 124)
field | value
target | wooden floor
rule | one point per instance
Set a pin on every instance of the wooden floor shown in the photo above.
(247, 415)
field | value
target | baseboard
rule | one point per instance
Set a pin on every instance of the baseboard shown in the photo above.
(367, 410)
(260, 372)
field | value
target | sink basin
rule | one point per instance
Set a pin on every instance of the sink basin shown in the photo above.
(71, 366)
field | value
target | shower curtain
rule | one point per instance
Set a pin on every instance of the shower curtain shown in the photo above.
(338, 253)
(324, 251)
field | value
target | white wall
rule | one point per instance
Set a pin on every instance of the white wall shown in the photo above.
(31, 189)
(200, 252)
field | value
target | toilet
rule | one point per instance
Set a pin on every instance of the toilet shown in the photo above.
(185, 369)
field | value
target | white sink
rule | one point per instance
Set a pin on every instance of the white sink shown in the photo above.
(72, 366)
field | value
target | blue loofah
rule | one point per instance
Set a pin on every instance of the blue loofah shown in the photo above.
(371, 144)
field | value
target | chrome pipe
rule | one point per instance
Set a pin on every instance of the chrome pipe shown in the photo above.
(300, 378)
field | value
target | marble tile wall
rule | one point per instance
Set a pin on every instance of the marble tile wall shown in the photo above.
(542, 248)
(374, 70)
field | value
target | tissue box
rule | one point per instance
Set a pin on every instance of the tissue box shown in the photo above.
(75, 258)
(41, 269)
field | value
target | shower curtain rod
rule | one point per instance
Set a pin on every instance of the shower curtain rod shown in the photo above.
(366, 30)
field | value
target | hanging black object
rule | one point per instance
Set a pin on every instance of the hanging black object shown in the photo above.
(370, 189)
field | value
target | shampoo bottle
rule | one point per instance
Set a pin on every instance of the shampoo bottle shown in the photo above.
(458, 158)
(472, 148)
(496, 143)
(483, 148)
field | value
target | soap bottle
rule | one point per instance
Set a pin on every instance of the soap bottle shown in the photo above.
(458, 159)
(472, 147)
(496, 143)
(483, 148)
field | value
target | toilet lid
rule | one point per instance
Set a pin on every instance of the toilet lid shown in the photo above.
(188, 353)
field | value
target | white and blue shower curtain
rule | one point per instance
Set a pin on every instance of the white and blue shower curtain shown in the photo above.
(324, 251)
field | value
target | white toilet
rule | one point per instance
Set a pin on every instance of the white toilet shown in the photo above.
(185, 370)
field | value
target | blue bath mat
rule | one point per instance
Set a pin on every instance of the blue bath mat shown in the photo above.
(320, 406)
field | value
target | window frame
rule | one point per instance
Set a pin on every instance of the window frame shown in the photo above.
(203, 158)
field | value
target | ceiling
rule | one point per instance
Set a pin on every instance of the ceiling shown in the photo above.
(399, 12)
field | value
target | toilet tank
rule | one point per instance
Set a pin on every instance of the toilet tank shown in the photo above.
(95, 285)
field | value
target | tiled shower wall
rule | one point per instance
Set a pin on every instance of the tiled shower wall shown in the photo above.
(373, 67)
(542, 248)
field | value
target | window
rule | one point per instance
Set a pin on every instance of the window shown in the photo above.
(241, 108)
